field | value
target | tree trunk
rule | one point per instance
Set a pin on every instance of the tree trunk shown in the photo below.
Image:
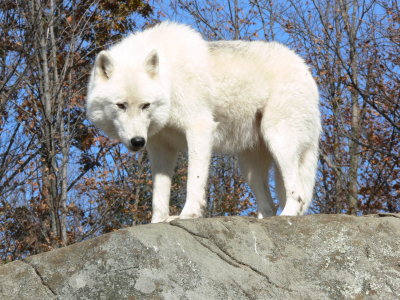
(351, 26)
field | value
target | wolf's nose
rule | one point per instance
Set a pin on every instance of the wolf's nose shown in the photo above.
(137, 143)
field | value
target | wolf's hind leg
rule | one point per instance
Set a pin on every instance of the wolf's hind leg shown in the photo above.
(289, 153)
(254, 166)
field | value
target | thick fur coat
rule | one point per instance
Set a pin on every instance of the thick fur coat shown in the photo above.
(169, 90)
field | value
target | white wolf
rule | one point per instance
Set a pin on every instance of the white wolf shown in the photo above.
(169, 90)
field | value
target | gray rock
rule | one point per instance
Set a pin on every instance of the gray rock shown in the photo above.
(311, 257)
(19, 280)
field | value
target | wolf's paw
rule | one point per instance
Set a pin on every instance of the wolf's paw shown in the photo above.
(265, 214)
(171, 218)
(162, 219)
(189, 216)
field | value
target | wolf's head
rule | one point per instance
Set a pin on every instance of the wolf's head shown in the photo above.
(128, 100)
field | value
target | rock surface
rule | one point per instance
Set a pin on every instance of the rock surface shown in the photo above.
(311, 257)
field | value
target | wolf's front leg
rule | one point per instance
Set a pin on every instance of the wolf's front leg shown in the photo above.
(199, 140)
(162, 158)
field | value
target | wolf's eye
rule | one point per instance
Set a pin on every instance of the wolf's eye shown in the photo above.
(121, 106)
(145, 106)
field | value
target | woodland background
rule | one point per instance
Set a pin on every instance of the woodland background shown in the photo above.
(62, 181)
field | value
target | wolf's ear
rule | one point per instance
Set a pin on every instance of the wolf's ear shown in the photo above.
(151, 63)
(103, 65)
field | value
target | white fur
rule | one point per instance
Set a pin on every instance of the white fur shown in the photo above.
(256, 99)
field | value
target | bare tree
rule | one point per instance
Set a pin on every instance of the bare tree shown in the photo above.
(345, 44)
(48, 146)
